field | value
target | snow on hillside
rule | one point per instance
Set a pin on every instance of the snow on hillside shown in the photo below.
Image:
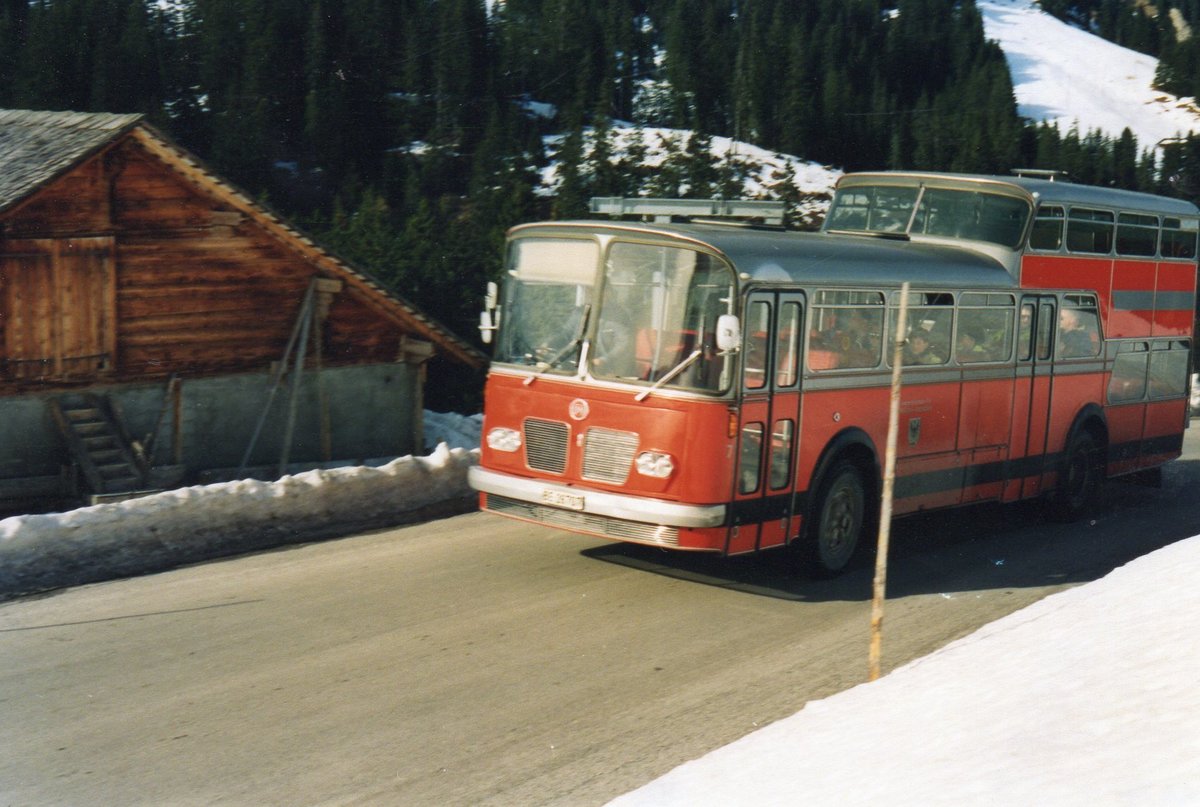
(1067, 76)
(764, 173)
(1060, 74)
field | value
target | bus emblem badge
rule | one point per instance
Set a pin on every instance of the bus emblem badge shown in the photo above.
(578, 410)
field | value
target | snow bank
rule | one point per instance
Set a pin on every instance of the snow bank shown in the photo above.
(1087, 697)
(207, 521)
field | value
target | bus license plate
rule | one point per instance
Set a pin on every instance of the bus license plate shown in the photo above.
(557, 498)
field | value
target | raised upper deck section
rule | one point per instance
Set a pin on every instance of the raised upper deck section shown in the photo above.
(1006, 217)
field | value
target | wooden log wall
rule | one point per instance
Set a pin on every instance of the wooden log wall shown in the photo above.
(199, 288)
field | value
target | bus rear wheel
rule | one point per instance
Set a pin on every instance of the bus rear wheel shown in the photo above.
(1078, 479)
(835, 536)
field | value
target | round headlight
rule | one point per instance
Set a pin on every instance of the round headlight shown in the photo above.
(501, 439)
(655, 463)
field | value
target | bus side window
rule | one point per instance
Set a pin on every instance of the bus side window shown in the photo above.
(750, 461)
(1025, 333)
(984, 334)
(1047, 233)
(787, 345)
(1045, 330)
(1168, 370)
(1090, 231)
(1178, 238)
(1128, 380)
(1078, 332)
(758, 318)
(779, 473)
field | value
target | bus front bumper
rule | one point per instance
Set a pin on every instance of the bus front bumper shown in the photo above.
(591, 502)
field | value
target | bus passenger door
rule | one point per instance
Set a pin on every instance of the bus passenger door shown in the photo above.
(1032, 398)
(768, 422)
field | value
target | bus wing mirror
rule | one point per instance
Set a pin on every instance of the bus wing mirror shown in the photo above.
(729, 333)
(489, 317)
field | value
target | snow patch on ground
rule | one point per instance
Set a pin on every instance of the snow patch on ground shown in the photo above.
(197, 523)
(1086, 697)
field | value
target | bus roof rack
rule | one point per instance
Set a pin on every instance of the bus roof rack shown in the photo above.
(664, 210)
(1040, 173)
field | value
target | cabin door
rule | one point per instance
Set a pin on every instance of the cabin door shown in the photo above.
(769, 421)
(58, 309)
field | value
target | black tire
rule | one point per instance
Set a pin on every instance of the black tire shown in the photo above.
(835, 537)
(1079, 478)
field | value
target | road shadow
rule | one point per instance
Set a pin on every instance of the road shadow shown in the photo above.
(982, 547)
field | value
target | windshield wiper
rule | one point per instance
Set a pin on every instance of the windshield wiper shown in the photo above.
(676, 370)
(549, 364)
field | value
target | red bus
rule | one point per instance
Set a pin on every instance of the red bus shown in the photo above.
(702, 386)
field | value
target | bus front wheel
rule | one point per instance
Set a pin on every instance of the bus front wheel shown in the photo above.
(835, 535)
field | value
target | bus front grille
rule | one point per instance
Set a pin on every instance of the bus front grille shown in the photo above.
(602, 526)
(546, 445)
(608, 455)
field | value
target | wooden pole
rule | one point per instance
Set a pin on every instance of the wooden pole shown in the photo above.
(889, 479)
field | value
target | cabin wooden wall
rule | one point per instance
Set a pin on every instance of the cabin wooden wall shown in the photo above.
(170, 281)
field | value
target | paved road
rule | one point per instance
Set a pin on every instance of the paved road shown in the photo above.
(476, 660)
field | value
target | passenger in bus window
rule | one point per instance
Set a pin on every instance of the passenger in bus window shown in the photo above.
(1074, 338)
(969, 347)
(859, 338)
(919, 350)
(1025, 332)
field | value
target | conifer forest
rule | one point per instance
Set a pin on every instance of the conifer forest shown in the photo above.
(408, 135)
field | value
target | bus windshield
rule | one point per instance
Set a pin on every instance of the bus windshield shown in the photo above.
(547, 302)
(658, 316)
(969, 215)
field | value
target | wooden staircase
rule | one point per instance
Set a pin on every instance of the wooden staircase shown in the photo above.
(107, 458)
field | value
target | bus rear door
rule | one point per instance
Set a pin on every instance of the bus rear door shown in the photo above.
(1033, 395)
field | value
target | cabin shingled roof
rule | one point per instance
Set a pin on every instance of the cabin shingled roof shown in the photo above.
(36, 147)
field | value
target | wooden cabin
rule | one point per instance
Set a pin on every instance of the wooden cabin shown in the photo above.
(159, 327)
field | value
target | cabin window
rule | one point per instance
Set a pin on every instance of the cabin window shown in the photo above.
(1179, 238)
(1137, 235)
(1090, 231)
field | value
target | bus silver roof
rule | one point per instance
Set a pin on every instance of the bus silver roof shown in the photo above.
(809, 258)
(1032, 188)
